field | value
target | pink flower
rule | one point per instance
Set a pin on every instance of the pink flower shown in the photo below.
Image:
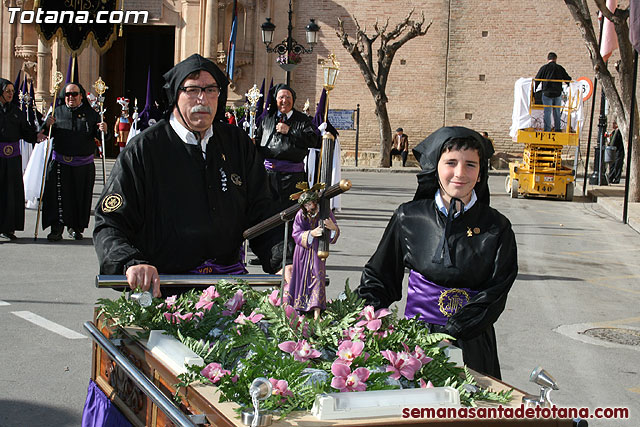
(214, 372)
(280, 387)
(207, 297)
(425, 385)
(184, 317)
(170, 317)
(345, 380)
(253, 317)
(234, 303)
(295, 320)
(402, 364)
(273, 298)
(301, 350)
(169, 301)
(354, 333)
(418, 354)
(372, 318)
(349, 350)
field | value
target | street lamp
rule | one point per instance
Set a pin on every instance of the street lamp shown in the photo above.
(290, 45)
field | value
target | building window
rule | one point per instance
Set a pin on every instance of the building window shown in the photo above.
(468, 116)
(485, 33)
(481, 77)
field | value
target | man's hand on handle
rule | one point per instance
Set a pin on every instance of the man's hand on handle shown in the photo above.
(144, 276)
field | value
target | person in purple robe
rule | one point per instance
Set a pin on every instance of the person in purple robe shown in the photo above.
(306, 291)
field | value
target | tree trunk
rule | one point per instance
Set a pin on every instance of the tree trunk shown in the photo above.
(385, 134)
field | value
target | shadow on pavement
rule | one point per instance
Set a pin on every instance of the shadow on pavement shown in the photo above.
(20, 413)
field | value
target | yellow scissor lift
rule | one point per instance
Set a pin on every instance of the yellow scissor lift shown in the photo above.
(541, 173)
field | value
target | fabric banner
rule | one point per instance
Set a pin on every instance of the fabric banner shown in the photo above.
(609, 37)
(32, 177)
(232, 42)
(99, 411)
(634, 24)
(75, 32)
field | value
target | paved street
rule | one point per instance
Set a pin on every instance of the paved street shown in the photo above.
(578, 271)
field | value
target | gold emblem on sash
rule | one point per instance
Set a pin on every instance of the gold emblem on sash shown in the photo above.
(111, 203)
(235, 178)
(451, 300)
(67, 159)
(8, 150)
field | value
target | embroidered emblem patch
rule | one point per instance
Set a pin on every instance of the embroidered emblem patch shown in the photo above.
(111, 203)
(476, 230)
(451, 300)
(235, 178)
(8, 150)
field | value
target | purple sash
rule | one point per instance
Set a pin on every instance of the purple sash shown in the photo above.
(210, 267)
(432, 303)
(283, 165)
(9, 149)
(72, 160)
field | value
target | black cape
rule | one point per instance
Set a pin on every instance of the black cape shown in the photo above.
(68, 189)
(13, 127)
(166, 206)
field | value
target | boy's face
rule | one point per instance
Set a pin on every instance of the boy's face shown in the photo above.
(458, 173)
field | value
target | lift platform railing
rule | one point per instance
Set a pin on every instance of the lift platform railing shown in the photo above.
(570, 108)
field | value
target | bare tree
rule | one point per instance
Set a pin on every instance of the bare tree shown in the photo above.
(375, 76)
(617, 90)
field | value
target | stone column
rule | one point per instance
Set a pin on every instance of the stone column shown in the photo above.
(42, 89)
(210, 25)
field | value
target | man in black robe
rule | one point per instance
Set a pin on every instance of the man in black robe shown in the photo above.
(462, 261)
(615, 167)
(183, 191)
(13, 128)
(71, 173)
(283, 138)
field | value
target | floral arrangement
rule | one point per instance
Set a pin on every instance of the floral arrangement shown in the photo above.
(243, 334)
(292, 58)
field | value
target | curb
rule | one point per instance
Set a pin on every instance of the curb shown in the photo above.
(614, 206)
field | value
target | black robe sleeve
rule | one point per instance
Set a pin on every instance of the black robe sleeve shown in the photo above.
(114, 233)
(484, 308)
(381, 282)
(302, 133)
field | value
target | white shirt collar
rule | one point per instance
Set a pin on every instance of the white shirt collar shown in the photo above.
(288, 114)
(188, 137)
(442, 208)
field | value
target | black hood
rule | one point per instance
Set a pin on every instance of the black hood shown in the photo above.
(274, 91)
(175, 76)
(4, 83)
(428, 152)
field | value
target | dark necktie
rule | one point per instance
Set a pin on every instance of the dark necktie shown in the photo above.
(443, 252)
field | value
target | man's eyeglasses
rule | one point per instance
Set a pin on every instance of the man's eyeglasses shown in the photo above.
(74, 94)
(196, 91)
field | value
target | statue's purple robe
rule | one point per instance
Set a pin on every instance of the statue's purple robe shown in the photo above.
(307, 286)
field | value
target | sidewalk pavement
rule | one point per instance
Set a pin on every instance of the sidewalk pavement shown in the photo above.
(610, 197)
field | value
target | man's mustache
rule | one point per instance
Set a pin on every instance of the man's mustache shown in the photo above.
(201, 109)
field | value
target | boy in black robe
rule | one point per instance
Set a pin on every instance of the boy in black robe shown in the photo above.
(183, 191)
(462, 260)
